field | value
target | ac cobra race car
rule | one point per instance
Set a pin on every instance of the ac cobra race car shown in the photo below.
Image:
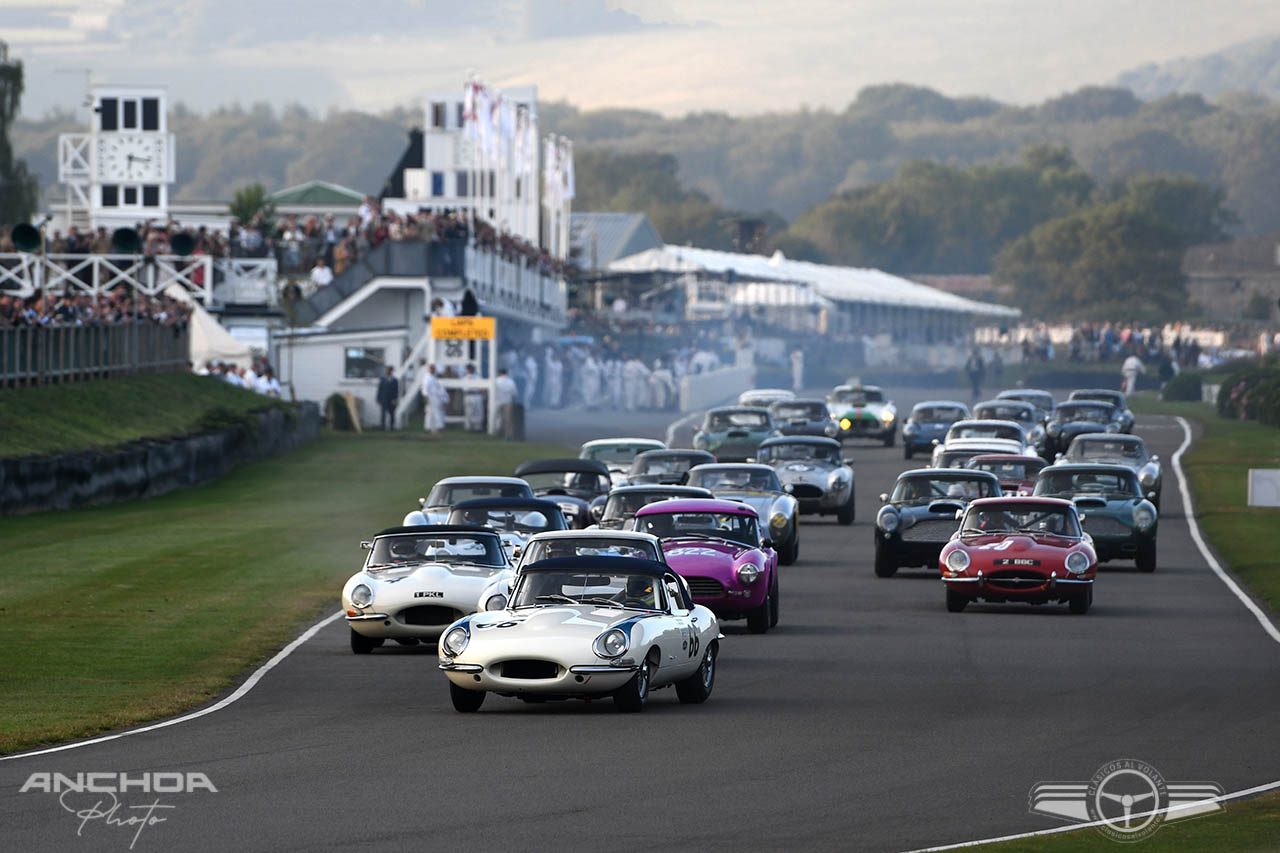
(812, 471)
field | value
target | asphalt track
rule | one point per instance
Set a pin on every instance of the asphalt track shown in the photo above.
(870, 718)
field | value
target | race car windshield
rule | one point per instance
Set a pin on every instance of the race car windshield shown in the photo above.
(456, 494)
(740, 480)
(665, 465)
(568, 481)
(735, 527)
(1075, 483)
(595, 546)
(737, 420)
(1007, 470)
(800, 451)
(452, 548)
(956, 458)
(623, 506)
(1011, 433)
(1005, 413)
(547, 589)
(857, 397)
(1099, 448)
(800, 412)
(615, 454)
(937, 414)
(508, 520)
(1091, 412)
(1020, 518)
(917, 491)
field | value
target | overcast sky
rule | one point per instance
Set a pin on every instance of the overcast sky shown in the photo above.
(667, 55)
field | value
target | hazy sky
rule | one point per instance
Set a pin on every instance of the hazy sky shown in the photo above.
(668, 55)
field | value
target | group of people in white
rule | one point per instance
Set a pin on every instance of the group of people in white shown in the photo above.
(263, 379)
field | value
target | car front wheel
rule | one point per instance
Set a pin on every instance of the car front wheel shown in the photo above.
(773, 603)
(885, 564)
(889, 439)
(362, 645)
(1081, 601)
(844, 515)
(789, 552)
(696, 688)
(465, 701)
(956, 601)
(631, 697)
(907, 451)
(1146, 558)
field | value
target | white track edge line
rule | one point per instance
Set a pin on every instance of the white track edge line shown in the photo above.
(238, 694)
(1194, 526)
(1072, 827)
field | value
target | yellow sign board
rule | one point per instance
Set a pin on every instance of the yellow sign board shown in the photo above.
(462, 328)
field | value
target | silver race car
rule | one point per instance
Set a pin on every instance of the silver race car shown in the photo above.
(811, 469)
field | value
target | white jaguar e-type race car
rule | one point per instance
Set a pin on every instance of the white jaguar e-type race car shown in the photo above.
(584, 628)
(417, 580)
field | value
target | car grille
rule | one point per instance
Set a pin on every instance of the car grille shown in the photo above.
(429, 614)
(930, 530)
(705, 587)
(1102, 525)
(528, 669)
(1016, 579)
(803, 491)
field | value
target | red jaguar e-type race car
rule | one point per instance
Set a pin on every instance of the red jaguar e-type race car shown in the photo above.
(1019, 549)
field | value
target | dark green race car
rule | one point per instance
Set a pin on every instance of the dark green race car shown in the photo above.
(733, 433)
(1121, 521)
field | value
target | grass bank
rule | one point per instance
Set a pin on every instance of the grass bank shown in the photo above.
(49, 419)
(120, 614)
(1244, 826)
(1217, 467)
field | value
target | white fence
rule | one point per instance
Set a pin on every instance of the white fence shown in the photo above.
(26, 274)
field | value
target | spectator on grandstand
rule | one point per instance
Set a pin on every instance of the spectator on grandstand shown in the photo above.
(321, 275)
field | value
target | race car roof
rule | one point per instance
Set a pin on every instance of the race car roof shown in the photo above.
(421, 529)
(673, 489)
(697, 505)
(567, 463)
(944, 473)
(819, 440)
(510, 503)
(611, 565)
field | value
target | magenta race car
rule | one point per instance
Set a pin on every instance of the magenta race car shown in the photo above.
(717, 547)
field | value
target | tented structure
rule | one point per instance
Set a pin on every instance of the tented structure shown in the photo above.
(209, 340)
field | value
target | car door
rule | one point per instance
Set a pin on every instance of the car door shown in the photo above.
(682, 641)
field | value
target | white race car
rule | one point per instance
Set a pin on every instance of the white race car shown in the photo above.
(434, 508)
(618, 454)
(416, 580)
(595, 542)
(583, 628)
(968, 438)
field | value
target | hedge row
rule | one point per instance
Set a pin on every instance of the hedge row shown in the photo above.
(1252, 394)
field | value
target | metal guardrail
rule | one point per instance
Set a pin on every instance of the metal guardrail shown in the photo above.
(41, 355)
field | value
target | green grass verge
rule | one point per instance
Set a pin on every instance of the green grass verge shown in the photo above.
(1217, 465)
(116, 615)
(101, 413)
(1244, 826)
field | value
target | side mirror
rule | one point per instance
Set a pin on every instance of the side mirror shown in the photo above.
(516, 552)
(422, 503)
(935, 442)
(768, 543)
(366, 544)
(1151, 495)
(788, 488)
(596, 512)
(884, 497)
(1155, 458)
(1083, 517)
(959, 514)
(848, 460)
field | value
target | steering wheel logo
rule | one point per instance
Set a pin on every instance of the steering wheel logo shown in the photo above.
(1130, 798)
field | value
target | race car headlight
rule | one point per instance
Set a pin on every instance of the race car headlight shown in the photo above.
(777, 520)
(361, 595)
(958, 560)
(455, 641)
(1143, 518)
(1077, 563)
(910, 428)
(748, 572)
(1147, 478)
(836, 478)
(612, 643)
(1053, 429)
(887, 417)
(831, 430)
(887, 520)
(845, 423)
(497, 601)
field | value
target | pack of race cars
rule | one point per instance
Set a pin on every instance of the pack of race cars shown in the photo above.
(609, 574)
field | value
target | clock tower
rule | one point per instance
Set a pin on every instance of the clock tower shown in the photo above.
(118, 174)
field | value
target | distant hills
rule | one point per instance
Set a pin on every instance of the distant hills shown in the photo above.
(1252, 66)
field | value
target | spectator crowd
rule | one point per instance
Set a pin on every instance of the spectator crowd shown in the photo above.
(77, 308)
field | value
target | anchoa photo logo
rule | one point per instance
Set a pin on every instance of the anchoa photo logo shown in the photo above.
(118, 783)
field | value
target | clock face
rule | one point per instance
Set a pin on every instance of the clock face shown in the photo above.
(132, 157)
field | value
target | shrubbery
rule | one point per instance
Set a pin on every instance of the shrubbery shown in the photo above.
(1184, 386)
(1252, 394)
